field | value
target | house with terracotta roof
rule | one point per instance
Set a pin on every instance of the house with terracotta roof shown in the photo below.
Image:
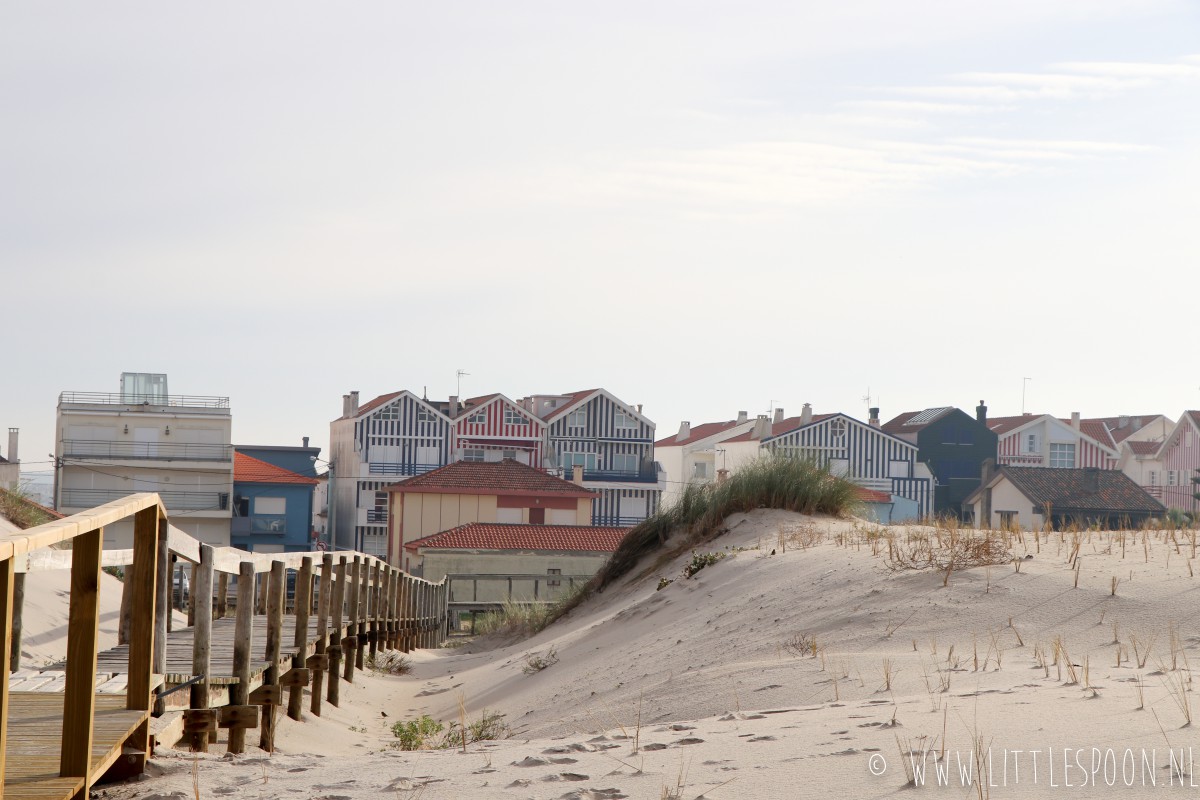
(690, 456)
(563, 553)
(614, 444)
(953, 445)
(272, 506)
(1043, 440)
(505, 492)
(1031, 497)
(1166, 469)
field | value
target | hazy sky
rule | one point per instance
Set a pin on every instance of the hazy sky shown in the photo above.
(701, 206)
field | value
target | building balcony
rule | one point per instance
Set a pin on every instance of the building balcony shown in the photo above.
(377, 517)
(607, 521)
(273, 524)
(150, 402)
(146, 451)
(396, 468)
(174, 501)
(619, 475)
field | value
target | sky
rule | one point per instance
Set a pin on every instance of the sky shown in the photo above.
(703, 207)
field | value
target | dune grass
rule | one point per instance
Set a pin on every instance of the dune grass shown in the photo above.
(773, 481)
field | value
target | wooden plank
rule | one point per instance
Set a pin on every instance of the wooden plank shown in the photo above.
(162, 603)
(83, 631)
(353, 596)
(376, 596)
(335, 615)
(199, 722)
(323, 604)
(364, 614)
(239, 695)
(19, 543)
(296, 677)
(300, 640)
(202, 588)
(144, 644)
(238, 718)
(222, 595)
(7, 578)
(277, 585)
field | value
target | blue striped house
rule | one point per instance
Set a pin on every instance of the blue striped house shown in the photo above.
(860, 451)
(614, 444)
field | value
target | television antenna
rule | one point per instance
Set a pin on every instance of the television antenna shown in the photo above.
(1024, 383)
(458, 376)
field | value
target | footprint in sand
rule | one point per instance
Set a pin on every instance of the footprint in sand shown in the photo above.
(531, 761)
(654, 746)
(594, 794)
(690, 740)
(762, 739)
(564, 760)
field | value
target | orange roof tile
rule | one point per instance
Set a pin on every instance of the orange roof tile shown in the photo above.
(507, 477)
(247, 469)
(496, 536)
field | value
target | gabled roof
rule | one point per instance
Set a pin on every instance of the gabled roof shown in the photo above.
(475, 404)
(1133, 424)
(775, 429)
(1107, 491)
(698, 432)
(1003, 425)
(1143, 448)
(366, 408)
(871, 495)
(1097, 430)
(817, 419)
(507, 477)
(496, 536)
(247, 469)
(1092, 429)
(913, 421)
(573, 399)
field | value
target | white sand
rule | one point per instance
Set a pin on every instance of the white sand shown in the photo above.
(726, 711)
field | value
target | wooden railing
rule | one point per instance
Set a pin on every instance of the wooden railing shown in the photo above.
(356, 603)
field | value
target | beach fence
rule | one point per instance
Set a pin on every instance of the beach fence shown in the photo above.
(259, 624)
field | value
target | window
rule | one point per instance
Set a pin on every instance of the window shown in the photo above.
(569, 460)
(1172, 475)
(1062, 455)
(625, 462)
(1008, 519)
(949, 435)
(1031, 443)
(625, 422)
(389, 412)
(700, 470)
(552, 581)
(270, 505)
(1153, 478)
(837, 431)
(513, 417)
(424, 415)
(898, 469)
(510, 454)
(478, 418)
(381, 499)
(472, 455)
(577, 419)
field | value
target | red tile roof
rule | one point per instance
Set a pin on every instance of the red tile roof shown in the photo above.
(377, 402)
(25, 501)
(1144, 448)
(505, 477)
(247, 469)
(1003, 425)
(1097, 430)
(778, 428)
(495, 536)
(871, 496)
(572, 399)
(1133, 424)
(698, 432)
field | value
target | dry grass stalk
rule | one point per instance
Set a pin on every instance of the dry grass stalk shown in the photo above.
(889, 672)
(1020, 641)
(1141, 649)
(1139, 686)
(1178, 689)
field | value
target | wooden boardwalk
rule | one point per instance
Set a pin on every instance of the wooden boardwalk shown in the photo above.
(64, 730)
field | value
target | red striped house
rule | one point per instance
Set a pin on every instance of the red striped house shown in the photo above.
(1179, 456)
(493, 427)
(1042, 440)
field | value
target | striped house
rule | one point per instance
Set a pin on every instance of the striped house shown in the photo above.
(613, 443)
(493, 428)
(859, 451)
(396, 435)
(1043, 440)
(1170, 469)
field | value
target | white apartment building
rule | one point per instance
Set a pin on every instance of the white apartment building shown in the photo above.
(142, 439)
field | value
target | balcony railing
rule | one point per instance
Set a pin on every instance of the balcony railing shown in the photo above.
(379, 517)
(174, 501)
(157, 451)
(618, 475)
(615, 522)
(394, 468)
(130, 399)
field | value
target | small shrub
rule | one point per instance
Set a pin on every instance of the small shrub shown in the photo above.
(664, 583)
(537, 663)
(700, 561)
(393, 662)
(417, 734)
(489, 727)
(801, 644)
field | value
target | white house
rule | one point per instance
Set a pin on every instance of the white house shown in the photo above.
(690, 456)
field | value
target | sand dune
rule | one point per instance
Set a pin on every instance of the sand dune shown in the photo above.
(702, 688)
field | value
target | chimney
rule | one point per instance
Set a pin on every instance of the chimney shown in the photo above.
(981, 412)
(989, 469)
(806, 414)
(454, 406)
(762, 427)
(722, 475)
(1075, 420)
(778, 416)
(354, 403)
(305, 440)
(1091, 479)
(345, 406)
(12, 445)
(577, 475)
(743, 416)
(639, 408)
(874, 418)
(1123, 421)
(685, 430)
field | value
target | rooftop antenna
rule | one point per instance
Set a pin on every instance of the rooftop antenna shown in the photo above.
(867, 398)
(458, 375)
(1024, 383)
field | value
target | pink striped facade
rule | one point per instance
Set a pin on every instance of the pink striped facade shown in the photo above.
(1088, 453)
(493, 432)
(1180, 460)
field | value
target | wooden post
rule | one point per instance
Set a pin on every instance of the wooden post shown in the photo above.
(125, 619)
(276, 597)
(406, 613)
(243, 633)
(191, 601)
(300, 641)
(171, 562)
(352, 598)
(83, 630)
(222, 595)
(335, 632)
(376, 577)
(7, 580)
(360, 635)
(162, 607)
(142, 578)
(385, 605)
(202, 590)
(264, 581)
(17, 606)
(322, 631)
